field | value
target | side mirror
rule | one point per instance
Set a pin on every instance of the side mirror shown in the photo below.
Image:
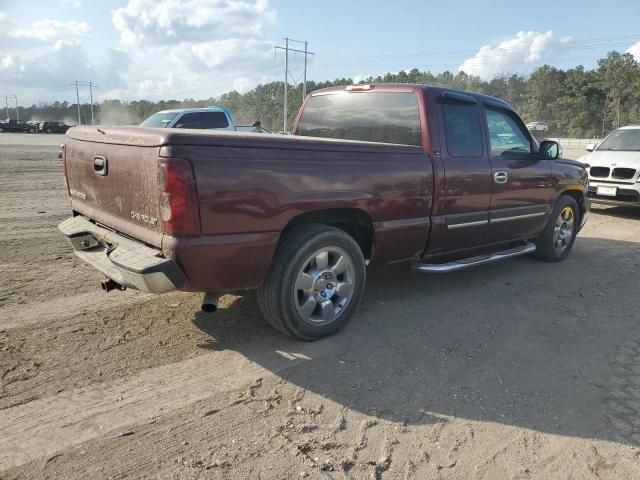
(549, 150)
(591, 147)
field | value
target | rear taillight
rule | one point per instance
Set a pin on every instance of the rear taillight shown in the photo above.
(178, 201)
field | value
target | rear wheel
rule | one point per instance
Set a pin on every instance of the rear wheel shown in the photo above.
(556, 241)
(49, 130)
(315, 283)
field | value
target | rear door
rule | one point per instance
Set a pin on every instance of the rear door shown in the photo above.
(467, 176)
(521, 183)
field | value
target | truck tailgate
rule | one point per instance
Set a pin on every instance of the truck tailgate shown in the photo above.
(115, 174)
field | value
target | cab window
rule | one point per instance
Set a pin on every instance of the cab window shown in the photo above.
(506, 137)
(462, 130)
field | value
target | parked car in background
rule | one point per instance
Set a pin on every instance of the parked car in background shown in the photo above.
(372, 175)
(218, 118)
(53, 127)
(12, 125)
(33, 126)
(538, 126)
(209, 118)
(614, 168)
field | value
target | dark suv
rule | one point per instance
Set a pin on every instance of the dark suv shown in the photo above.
(54, 127)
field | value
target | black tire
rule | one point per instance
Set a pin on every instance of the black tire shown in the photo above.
(277, 296)
(545, 249)
(49, 130)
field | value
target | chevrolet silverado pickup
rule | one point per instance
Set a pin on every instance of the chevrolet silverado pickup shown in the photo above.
(373, 174)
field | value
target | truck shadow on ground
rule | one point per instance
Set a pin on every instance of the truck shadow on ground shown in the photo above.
(521, 343)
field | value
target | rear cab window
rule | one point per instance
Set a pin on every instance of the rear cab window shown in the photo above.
(384, 117)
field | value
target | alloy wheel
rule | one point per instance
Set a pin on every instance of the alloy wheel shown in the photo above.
(324, 286)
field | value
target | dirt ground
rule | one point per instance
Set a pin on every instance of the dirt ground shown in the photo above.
(518, 370)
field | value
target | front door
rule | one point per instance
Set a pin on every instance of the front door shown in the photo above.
(521, 183)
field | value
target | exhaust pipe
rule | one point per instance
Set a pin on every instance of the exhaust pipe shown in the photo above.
(210, 302)
(109, 285)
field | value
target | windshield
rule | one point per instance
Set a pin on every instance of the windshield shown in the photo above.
(622, 141)
(159, 120)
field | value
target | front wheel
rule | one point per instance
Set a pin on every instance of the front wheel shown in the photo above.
(315, 282)
(556, 240)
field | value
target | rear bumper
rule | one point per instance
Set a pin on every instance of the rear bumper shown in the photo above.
(125, 261)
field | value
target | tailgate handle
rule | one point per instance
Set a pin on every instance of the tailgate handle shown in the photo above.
(100, 165)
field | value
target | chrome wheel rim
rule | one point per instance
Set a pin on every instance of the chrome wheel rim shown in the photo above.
(563, 230)
(324, 286)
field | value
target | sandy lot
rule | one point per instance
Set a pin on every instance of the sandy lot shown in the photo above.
(514, 370)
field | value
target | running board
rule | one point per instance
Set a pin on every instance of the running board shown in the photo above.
(473, 261)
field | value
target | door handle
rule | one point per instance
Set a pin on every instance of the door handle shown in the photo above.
(500, 177)
(100, 165)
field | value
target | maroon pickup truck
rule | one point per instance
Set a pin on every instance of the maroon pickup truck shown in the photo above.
(374, 174)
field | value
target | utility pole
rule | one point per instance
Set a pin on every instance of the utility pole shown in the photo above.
(304, 85)
(91, 86)
(91, 95)
(286, 83)
(6, 103)
(288, 49)
(604, 113)
(77, 101)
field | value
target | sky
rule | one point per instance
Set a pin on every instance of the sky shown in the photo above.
(173, 49)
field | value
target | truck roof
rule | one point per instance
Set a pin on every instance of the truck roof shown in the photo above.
(406, 88)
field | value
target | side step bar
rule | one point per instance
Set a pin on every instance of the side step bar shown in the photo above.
(473, 261)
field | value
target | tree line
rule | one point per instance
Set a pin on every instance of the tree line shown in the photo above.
(574, 102)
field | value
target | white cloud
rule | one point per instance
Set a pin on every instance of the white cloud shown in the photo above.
(231, 50)
(39, 60)
(635, 51)
(167, 49)
(167, 22)
(52, 31)
(194, 48)
(523, 52)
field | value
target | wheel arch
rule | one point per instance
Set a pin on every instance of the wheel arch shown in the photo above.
(579, 196)
(353, 221)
